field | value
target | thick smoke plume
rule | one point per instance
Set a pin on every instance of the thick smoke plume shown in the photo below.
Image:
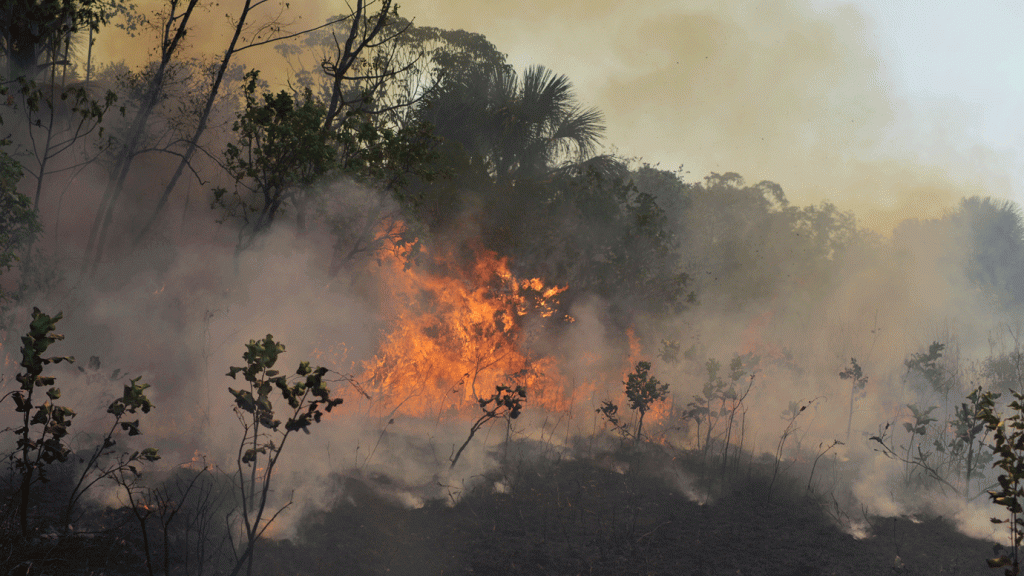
(771, 90)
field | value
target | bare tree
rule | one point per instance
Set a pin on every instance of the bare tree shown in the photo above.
(359, 38)
(174, 28)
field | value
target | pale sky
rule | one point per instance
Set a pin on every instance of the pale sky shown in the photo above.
(965, 53)
(891, 108)
(964, 63)
(886, 106)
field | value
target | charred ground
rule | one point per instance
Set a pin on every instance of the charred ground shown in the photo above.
(627, 512)
(443, 241)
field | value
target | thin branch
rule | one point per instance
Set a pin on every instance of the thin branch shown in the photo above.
(292, 35)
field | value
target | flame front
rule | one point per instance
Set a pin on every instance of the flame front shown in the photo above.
(458, 332)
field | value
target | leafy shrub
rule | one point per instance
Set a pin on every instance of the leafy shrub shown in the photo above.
(642, 391)
(506, 402)
(308, 398)
(41, 437)
(1008, 446)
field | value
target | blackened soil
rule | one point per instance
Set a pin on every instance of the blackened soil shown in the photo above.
(581, 518)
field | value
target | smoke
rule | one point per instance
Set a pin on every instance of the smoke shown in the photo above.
(785, 91)
(792, 92)
(772, 90)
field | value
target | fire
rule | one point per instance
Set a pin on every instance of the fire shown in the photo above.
(635, 350)
(458, 332)
(335, 355)
(197, 462)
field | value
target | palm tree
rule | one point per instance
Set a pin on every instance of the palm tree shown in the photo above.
(524, 127)
(993, 232)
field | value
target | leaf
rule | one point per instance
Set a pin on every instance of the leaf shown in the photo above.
(131, 427)
(998, 562)
(244, 399)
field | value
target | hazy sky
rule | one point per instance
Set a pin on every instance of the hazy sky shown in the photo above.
(964, 53)
(960, 65)
(892, 108)
(890, 105)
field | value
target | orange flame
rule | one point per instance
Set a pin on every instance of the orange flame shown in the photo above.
(460, 332)
(635, 350)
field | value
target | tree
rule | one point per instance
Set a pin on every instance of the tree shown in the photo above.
(516, 145)
(102, 463)
(36, 34)
(750, 242)
(41, 437)
(364, 29)
(345, 65)
(642, 391)
(264, 437)
(506, 402)
(54, 113)
(246, 36)
(282, 150)
(1008, 447)
(173, 30)
(597, 233)
(859, 381)
(523, 127)
(373, 70)
(57, 118)
(415, 100)
(993, 233)
(19, 221)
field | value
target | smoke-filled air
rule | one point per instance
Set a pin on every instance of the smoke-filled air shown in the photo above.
(464, 289)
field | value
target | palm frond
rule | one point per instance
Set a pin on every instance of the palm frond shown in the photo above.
(579, 133)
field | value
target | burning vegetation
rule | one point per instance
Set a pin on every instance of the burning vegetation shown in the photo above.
(525, 354)
(457, 334)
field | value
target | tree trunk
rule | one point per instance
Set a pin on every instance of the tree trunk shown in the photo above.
(115, 186)
(204, 119)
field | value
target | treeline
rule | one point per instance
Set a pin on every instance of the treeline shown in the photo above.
(381, 136)
(453, 142)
